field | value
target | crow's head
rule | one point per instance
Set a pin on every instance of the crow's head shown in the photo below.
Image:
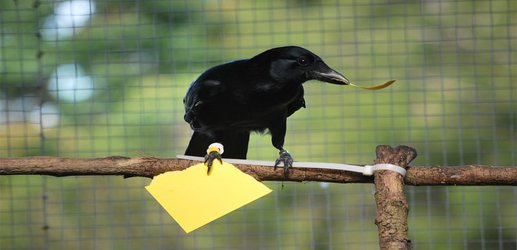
(293, 64)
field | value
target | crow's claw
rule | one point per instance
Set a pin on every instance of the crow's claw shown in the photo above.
(209, 159)
(286, 158)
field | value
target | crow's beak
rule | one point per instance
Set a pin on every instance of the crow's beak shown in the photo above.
(326, 74)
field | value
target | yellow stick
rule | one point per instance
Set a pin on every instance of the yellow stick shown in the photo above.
(376, 87)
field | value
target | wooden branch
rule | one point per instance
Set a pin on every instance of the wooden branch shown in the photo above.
(149, 167)
(392, 206)
(391, 202)
(476, 175)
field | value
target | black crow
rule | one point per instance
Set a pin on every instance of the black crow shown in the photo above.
(230, 100)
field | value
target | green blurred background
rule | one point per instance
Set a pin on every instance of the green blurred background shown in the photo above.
(86, 78)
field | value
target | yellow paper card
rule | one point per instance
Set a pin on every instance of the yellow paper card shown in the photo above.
(194, 198)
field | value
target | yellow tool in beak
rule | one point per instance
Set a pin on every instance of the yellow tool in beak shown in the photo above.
(376, 87)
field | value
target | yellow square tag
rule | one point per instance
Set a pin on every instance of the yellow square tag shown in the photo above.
(194, 198)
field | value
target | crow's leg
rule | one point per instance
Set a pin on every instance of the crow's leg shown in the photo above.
(213, 152)
(286, 158)
(277, 138)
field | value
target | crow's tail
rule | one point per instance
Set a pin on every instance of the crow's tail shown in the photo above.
(235, 144)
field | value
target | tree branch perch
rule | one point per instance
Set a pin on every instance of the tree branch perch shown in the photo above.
(392, 206)
(149, 167)
(391, 202)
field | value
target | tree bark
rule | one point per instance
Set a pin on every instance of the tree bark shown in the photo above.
(392, 206)
(149, 167)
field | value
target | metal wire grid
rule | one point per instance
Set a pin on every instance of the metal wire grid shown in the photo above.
(454, 101)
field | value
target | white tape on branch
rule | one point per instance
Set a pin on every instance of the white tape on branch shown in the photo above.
(365, 170)
(384, 166)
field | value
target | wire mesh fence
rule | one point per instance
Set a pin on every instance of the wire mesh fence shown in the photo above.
(84, 78)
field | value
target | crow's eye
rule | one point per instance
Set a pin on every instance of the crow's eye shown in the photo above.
(303, 61)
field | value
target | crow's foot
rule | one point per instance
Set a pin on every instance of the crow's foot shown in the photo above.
(209, 160)
(286, 158)
(214, 151)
